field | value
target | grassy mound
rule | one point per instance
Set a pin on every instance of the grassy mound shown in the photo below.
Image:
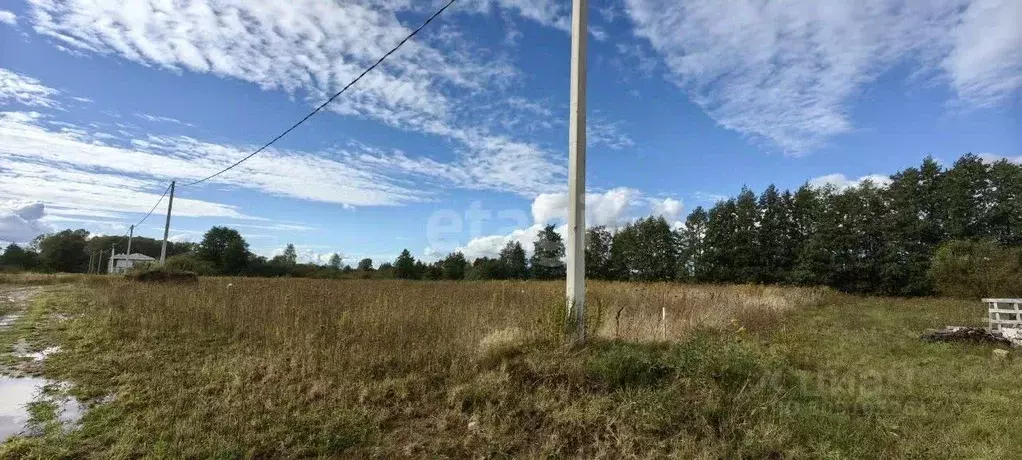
(163, 275)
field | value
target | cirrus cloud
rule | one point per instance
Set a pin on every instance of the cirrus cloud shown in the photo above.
(787, 72)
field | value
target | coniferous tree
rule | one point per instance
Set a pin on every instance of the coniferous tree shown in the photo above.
(655, 256)
(964, 191)
(454, 266)
(513, 261)
(404, 266)
(548, 250)
(747, 254)
(720, 243)
(1004, 219)
(690, 243)
(816, 223)
(773, 237)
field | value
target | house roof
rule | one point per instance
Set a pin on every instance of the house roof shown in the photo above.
(135, 256)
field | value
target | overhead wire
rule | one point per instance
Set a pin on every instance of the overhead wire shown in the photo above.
(328, 101)
(310, 114)
(154, 207)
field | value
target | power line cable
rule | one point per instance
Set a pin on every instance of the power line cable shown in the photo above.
(328, 101)
(154, 207)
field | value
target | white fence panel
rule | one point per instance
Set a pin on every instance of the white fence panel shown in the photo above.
(1004, 313)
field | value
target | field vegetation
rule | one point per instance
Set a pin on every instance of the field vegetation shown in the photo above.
(295, 368)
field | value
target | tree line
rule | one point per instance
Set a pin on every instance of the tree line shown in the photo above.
(870, 238)
(878, 238)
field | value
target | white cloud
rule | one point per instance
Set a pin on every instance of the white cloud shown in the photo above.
(985, 64)
(840, 182)
(21, 222)
(21, 89)
(8, 18)
(710, 198)
(668, 208)
(156, 119)
(788, 71)
(65, 164)
(612, 208)
(991, 158)
(313, 48)
(308, 254)
(600, 131)
(490, 246)
(544, 12)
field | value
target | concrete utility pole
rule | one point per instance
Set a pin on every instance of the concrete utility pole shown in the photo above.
(110, 263)
(166, 228)
(92, 258)
(131, 234)
(576, 288)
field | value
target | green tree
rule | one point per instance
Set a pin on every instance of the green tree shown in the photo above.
(913, 229)
(548, 250)
(335, 261)
(774, 233)
(747, 252)
(513, 262)
(225, 250)
(434, 271)
(690, 245)
(290, 255)
(598, 242)
(16, 257)
(404, 266)
(654, 256)
(365, 265)
(485, 268)
(965, 196)
(1005, 195)
(454, 266)
(719, 243)
(623, 250)
(818, 223)
(64, 251)
(385, 271)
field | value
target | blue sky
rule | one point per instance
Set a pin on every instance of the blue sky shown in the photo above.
(459, 141)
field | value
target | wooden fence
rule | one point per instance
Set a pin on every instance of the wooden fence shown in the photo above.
(1004, 313)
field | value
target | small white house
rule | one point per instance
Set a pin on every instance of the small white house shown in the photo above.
(121, 263)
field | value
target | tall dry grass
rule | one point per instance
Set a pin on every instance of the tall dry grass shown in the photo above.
(402, 323)
(298, 368)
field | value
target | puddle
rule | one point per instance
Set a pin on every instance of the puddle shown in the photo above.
(17, 297)
(21, 350)
(9, 319)
(17, 393)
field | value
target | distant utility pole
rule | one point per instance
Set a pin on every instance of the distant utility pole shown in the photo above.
(92, 258)
(576, 288)
(166, 228)
(131, 234)
(110, 263)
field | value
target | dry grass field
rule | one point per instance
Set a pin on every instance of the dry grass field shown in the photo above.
(295, 368)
